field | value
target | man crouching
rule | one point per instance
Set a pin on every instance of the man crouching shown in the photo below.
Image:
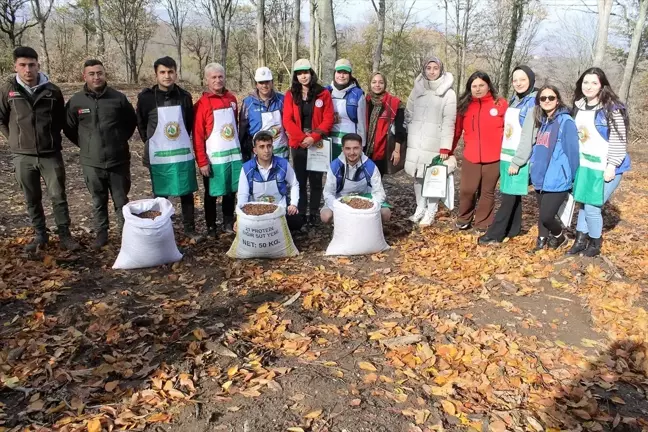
(353, 173)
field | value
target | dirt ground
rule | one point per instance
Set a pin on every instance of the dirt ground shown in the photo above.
(436, 333)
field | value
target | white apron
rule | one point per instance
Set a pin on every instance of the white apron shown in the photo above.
(593, 149)
(173, 167)
(341, 126)
(224, 152)
(267, 191)
(271, 121)
(517, 184)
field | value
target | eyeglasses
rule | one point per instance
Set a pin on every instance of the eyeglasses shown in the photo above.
(547, 98)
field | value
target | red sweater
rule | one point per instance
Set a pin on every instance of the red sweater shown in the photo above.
(482, 126)
(322, 118)
(204, 120)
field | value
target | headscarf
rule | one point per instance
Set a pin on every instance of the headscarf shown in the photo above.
(376, 100)
(529, 73)
(432, 59)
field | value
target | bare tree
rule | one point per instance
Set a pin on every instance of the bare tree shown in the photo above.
(14, 20)
(314, 37)
(101, 42)
(295, 30)
(131, 23)
(380, 12)
(279, 27)
(83, 15)
(198, 42)
(602, 28)
(260, 30)
(177, 11)
(328, 39)
(220, 13)
(41, 10)
(463, 20)
(517, 13)
(631, 62)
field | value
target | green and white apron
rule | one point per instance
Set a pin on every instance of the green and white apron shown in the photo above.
(173, 166)
(341, 126)
(593, 148)
(267, 191)
(224, 152)
(271, 121)
(512, 184)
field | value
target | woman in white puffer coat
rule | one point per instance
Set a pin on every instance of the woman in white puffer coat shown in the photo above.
(430, 117)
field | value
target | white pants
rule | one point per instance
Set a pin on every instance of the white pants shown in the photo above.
(431, 205)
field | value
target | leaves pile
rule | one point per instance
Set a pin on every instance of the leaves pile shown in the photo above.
(439, 331)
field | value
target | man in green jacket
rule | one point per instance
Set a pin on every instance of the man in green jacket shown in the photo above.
(100, 120)
(32, 115)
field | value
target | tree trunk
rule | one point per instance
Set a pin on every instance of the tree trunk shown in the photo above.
(517, 12)
(99, 34)
(312, 25)
(604, 11)
(179, 51)
(377, 57)
(295, 30)
(260, 29)
(223, 46)
(631, 62)
(328, 39)
(43, 42)
(212, 54)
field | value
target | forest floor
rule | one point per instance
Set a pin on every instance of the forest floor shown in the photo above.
(436, 333)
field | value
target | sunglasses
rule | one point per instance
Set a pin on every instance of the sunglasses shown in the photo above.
(547, 98)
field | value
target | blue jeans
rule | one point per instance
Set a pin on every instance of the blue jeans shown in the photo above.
(590, 219)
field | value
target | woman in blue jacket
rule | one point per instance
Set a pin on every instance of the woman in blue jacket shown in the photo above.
(553, 164)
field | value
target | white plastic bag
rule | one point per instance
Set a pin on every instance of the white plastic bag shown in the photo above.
(264, 236)
(147, 242)
(356, 231)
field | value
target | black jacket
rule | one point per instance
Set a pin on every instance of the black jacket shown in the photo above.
(32, 123)
(101, 124)
(147, 103)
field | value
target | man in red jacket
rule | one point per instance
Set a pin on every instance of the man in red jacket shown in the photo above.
(217, 148)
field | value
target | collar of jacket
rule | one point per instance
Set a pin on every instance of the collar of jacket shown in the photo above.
(488, 97)
(556, 116)
(171, 92)
(95, 94)
(257, 98)
(209, 94)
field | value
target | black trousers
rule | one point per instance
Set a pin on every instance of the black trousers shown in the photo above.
(508, 219)
(295, 222)
(227, 206)
(314, 180)
(548, 205)
(115, 181)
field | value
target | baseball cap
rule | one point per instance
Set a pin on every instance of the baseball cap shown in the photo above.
(263, 74)
(343, 65)
(301, 65)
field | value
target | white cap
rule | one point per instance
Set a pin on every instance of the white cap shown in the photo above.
(263, 74)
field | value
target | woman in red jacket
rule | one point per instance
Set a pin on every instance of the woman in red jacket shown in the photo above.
(307, 118)
(480, 117)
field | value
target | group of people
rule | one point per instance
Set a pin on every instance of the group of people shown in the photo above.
(242, 151)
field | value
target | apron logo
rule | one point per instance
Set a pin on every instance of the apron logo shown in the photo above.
(319, 103)
(319, 144)
(274, 130)
(172, 130)
(435, 171)
(227, 131)
(84, 111)
(583, 134)
(508, 131)
(493, 112)
(267, 199)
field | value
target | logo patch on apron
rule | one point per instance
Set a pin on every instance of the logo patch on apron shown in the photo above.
(508, 131)
(267, 199)
(172, 130)
(227, 131)
(274, 130)
(583, 134)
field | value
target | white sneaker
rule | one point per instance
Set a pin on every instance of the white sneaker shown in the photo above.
(428, 219)
(418, 214)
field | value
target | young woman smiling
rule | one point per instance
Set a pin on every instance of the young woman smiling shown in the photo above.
(602, 122)
(553, 165)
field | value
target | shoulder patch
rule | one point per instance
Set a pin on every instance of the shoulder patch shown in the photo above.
(14, 94)
(83, 111)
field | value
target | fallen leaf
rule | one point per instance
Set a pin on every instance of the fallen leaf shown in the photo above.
(367, 366)
(110, 386)
(94, 425)
(448, 407)
(313, 414)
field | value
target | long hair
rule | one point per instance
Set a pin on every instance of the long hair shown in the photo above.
(608, 100)
(539, 114)
(313, 88)
(466, 97)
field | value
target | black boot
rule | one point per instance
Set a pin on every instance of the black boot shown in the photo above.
(228, 225)
(556, 241)
(594, 247)
(101, 240)
(485, 239)
(39, 242)
(541, 242)
(66, 241)
(580, 244)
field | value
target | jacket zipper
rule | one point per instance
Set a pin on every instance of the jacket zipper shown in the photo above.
(479, 131)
